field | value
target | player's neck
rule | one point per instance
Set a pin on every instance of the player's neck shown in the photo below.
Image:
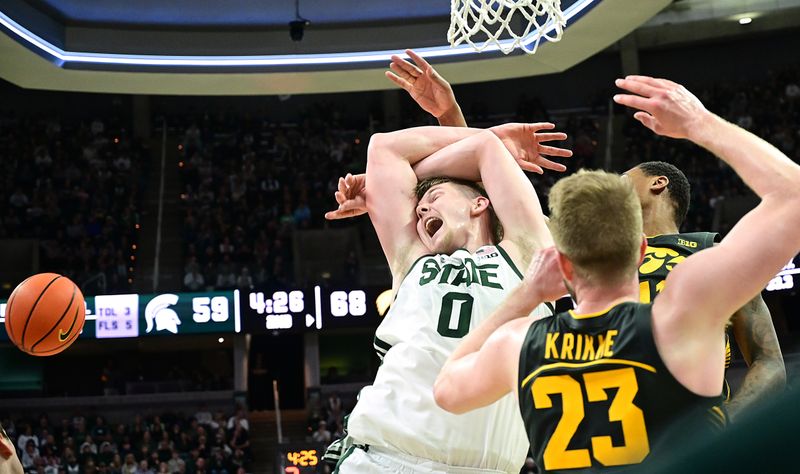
(479, 237)
(657, 219)
(595, 298)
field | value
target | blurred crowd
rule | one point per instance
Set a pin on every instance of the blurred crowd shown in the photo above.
(768, 108)
(74, 185)
(166, 444)
(248, 184)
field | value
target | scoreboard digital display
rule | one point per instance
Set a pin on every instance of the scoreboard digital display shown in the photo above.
(225, 312)
(299, 458)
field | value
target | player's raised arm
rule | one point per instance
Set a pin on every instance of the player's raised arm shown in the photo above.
(718, 281)
(427, 87)
(390, 184)
(514, 200)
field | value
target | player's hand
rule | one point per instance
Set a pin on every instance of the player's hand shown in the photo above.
(544, 277)
(665, 107)
(524, 141)
(351, 197)
(430, 90)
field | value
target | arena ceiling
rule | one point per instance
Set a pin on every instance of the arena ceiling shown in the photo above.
(243, 47)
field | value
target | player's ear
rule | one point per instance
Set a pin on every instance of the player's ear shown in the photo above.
(479, 205)
(642, 249)
(659, 184)
(567, 270)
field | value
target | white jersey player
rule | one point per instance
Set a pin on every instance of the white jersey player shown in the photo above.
(450, 269)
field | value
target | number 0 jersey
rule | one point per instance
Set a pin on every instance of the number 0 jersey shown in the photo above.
(594, 392)
(438, 302)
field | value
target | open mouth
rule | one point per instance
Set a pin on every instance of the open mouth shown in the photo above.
(432, 225)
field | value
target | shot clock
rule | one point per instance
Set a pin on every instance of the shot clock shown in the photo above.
(299, 458)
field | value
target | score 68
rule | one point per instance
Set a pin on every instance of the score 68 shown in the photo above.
(352, 302)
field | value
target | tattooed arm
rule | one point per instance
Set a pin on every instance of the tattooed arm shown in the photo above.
(756, 338)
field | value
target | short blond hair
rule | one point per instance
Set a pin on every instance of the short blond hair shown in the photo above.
(596, 222)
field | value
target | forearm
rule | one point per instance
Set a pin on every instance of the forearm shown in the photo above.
(755, 335)
(454, 117)
(765, 378)
(415, 144)
(463, 159)
(519, 303)
(762, 166)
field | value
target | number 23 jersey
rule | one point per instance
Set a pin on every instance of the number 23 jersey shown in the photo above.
(441, 299)
(594, 392)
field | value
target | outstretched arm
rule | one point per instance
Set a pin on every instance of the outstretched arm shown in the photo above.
(766, 373)
(718, 281)
(428, 89)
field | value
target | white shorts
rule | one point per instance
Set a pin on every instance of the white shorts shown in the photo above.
(357, 460)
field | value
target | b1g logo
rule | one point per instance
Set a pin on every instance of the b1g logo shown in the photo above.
(158, 311)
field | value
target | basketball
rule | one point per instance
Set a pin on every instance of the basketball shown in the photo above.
(45, 314)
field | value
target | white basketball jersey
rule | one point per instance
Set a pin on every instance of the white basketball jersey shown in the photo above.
(440, 300)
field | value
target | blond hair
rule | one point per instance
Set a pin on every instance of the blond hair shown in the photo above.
(596, 222)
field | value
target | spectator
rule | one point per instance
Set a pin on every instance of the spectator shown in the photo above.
(144, 468)
(30, 456)
(176, 464)
(26, 436)
(322, 435)
(226, 278)
(88, 444)
(194, 281)
(244, 281)
(240, 419)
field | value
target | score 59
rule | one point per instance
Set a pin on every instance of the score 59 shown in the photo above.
(210, 309)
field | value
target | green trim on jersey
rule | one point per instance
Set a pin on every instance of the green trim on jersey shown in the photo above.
(381, 347)
(347, 453)
(508, 259)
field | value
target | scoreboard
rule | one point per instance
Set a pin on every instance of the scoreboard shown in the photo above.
(299, 458)
(226, 312)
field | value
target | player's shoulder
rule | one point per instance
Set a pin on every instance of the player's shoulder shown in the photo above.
(690, 241)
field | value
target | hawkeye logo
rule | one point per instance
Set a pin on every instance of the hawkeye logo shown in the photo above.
(657, 257)
(158, 311)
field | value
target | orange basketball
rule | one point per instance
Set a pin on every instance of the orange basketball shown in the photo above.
(45, 314)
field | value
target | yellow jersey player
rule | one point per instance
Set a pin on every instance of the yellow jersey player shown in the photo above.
(664, 193)
(599, 386)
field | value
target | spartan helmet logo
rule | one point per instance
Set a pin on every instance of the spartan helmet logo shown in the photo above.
(158, 309)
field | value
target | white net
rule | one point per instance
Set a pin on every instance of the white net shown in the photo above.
(509, 24)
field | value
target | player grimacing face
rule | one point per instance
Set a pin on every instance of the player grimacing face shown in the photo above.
(445, 218)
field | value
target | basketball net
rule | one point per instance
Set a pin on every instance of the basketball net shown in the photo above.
(482, 23)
